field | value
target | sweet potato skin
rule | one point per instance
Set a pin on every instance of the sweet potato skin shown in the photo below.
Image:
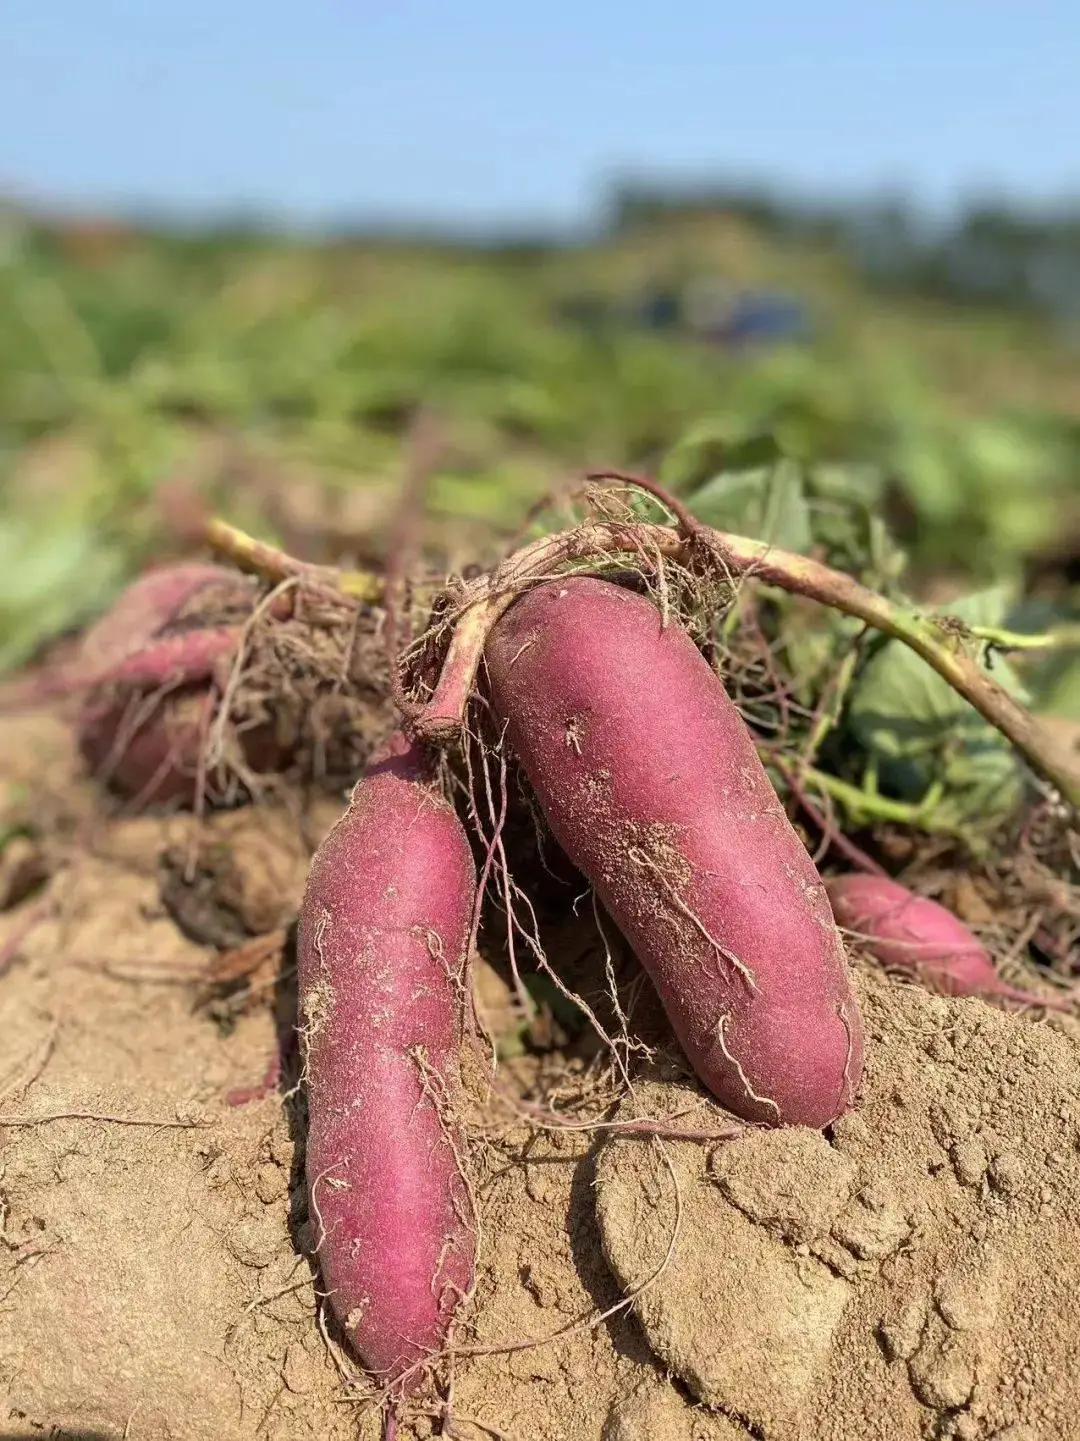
(144, 673)
(148, 748)
(124, 645)
(382, 950)
(145, 748)
(652, 785)
(914, 936)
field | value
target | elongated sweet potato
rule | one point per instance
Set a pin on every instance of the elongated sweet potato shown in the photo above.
(149, 746)
(128, 645)
(145, 673)
(652, 785)
(382, 945)
(914, 936)
(145, 747)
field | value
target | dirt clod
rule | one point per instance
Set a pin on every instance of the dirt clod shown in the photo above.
(656, 1412)
(771, 1313)
(792, 1183)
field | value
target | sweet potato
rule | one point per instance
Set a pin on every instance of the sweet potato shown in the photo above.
(382, 950)
(149, 747)
(915, 937)
(145, 748)
(145, 671)
(651, 783)
(129, 644)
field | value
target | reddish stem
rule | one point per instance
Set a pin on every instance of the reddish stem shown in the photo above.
(424, 447)
(834, 837)
(689, 524)
(244, 1095)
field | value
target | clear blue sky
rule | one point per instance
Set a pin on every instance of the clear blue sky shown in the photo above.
(480, 111)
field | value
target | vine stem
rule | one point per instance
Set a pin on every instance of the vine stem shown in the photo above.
(1065, 637)
(269, 563)
(598, 545)
(863, 805)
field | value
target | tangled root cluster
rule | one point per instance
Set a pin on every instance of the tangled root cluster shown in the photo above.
(318, 681)
(236, 693)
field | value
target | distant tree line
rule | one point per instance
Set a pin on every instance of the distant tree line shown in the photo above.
(994, 252)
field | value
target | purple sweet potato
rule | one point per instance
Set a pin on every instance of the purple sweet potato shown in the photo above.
(382, 949)
(145, 670)
(915, 937)
(651, 784)
(145, 748)
(148, 747)
(129, 644)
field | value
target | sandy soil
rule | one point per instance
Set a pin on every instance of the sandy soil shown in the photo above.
(911, 1275)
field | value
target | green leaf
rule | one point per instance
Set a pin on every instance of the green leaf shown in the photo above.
(902, 707)
(48, 582)
(717, 445)
(990, 606)
(1003, 453)
(768, 503)
(814, 642)
(920, 730)
(850, 484)
(927, 474)
(845, 506)
(1058, 687)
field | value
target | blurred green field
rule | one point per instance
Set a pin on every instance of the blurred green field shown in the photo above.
(278, 376)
